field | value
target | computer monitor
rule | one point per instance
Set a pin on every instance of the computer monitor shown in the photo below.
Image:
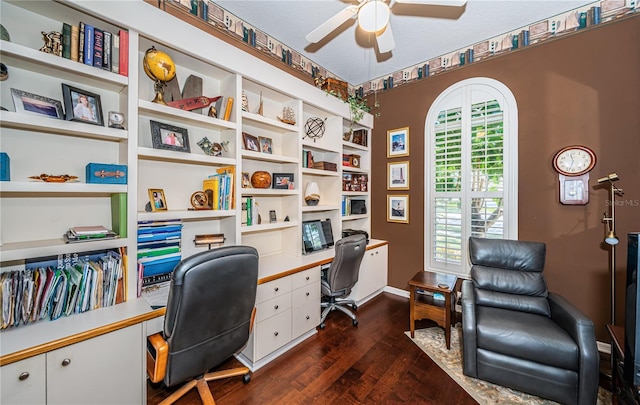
(316, 235)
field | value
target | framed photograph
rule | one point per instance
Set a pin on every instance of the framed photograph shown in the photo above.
(398, 208)
(398, 176)
(81, 105)
(398, 142)
(157, 200)
(35, 104)
(266, 145)
(165, 136)
(246, 180)
(283, 181)
(250, 142)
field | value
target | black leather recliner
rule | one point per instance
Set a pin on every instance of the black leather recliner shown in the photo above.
(519, 335)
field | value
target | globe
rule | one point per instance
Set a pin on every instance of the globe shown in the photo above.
(160, 68)
(158, 65)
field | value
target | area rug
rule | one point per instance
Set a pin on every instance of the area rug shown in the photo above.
(431, 341)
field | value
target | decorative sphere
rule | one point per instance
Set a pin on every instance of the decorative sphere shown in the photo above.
(158, 65)
(314, 128)
(261, 179)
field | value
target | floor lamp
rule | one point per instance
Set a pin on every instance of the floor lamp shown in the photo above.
(611, 239)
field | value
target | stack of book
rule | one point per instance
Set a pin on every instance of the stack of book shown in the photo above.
(51, 288)
(159, 250)
(219, 188)
(88, 233)
(326, 166)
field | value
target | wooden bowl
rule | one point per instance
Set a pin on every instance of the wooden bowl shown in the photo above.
(261, 179)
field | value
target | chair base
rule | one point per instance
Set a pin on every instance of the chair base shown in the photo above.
(203, 389)
(341, 305)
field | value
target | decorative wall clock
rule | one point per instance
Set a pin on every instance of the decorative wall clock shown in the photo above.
(573, 164)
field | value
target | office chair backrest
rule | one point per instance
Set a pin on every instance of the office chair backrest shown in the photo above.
(209, 309)
(344, 269)
(508, 274)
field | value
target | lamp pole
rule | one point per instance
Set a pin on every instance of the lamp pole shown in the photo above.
(611, 239)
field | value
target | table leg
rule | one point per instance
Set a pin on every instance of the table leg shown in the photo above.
(412, 315)
(447, 321)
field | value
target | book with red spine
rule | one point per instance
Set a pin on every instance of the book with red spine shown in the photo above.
(124, 52)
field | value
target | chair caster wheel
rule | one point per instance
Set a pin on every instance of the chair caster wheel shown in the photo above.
(246, 378)
(322, 326)
(355, 322)
(355, 307)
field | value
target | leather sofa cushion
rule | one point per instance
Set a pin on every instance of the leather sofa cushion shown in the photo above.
(510, 333)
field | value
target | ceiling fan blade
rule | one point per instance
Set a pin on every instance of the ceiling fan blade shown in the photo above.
(385, 40)
(332, 23)
(456, 3)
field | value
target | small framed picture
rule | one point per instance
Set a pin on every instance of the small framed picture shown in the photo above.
(200, 201)
(398, 176)
(398, 208)
(246, 180)
(116, 120)
(81, 105)
(157, 200)
(35, 104)
(283, 181)
(398, 142)
(266, 145)
(272, 216)
(165, 136)
(250, 142)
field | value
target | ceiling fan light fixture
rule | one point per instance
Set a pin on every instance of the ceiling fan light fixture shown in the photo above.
(374, 16)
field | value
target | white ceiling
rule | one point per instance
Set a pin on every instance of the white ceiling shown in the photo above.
(421, 32)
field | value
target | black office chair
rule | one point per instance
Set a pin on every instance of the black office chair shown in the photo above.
(209, 317)
(341, 276)
(517, 334)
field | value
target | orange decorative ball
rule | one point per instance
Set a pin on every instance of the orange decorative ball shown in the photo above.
(261, 179)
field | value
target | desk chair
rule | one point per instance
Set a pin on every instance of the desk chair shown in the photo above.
(341, 276)
(209, 317)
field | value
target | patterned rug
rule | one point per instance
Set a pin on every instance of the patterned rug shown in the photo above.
(431, 341)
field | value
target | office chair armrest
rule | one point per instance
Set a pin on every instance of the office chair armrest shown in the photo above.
(253, 318)
(157, 354)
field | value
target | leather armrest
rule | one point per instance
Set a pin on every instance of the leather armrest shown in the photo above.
(469, 330)
(157, 354)
(582, 330)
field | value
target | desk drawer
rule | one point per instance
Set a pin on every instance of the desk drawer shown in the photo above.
(305, 277)
(273, 289)
(308, 293)
(272, 334)
(305, 318)
(273, 307)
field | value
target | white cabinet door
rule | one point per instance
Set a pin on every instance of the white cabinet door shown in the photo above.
(23, 382)
(373, 273)
(103, 370)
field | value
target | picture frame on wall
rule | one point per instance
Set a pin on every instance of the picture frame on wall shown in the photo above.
(157, 199)
(81, 105)
(169, 137)
(398, 175)
(398, 208)
(398, 142)
(30, 103)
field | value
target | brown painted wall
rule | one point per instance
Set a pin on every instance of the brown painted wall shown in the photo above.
(583, 88)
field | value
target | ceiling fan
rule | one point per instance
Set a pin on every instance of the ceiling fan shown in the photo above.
(373, 16)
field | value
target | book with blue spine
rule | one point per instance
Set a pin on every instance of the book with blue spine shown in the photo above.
(88, 44)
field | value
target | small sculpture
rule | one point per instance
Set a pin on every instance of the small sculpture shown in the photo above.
(50, 178)
(314, 128)
(160, 68)
(288, 116)
(245, 102)
(52, 43)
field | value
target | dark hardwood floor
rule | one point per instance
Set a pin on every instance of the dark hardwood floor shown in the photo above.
(374, 363)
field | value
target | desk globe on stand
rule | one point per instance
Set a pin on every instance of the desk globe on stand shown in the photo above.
(160, 68)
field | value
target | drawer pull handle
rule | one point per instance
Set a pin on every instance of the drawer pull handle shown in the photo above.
(23, 376)
(66, 362)
(275, 333)
(307, 293)
(307, 317)
(276, 289)
(275, 307)
(307, 278)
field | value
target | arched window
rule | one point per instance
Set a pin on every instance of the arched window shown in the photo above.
(471, 171)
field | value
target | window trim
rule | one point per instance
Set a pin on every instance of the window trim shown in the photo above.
(510, 142)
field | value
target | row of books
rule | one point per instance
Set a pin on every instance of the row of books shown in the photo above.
(222, 108)
(307, 158)
(159, 250)
(96, 47)
(355, 182)
(46, 290)
(219, 188)
(249, 214)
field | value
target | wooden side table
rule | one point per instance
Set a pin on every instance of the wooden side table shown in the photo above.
(424, 306)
